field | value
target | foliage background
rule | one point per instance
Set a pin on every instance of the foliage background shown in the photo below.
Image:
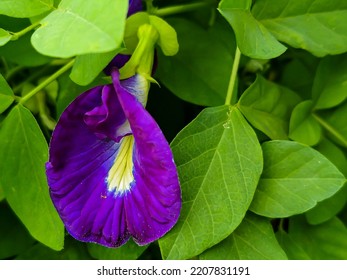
(262, 164)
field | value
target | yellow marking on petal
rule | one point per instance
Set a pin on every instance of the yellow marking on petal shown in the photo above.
(121, 175)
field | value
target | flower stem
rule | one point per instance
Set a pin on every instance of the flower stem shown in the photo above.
(331, 129)
(46, 82)
(233, 76)
(17, 35)
(179, 9)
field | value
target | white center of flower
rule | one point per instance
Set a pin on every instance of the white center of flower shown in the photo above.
(121, 175)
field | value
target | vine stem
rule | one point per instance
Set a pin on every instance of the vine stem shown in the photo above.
(46, 82)
(233, 76)
(179, 9)
(18, 34)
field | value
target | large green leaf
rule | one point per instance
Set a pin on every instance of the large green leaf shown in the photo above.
(330, 83)
(79, 27)
(303, 127)
(2, 195)
(316, 26)
(253, 39)
(267, 106)
(129, 251)
(294, 179)
(254, 239)
(325, 241)
(6, 95)
(200, 72)
(23, 153)
(328, 208)
(219, 161)
(24, 8)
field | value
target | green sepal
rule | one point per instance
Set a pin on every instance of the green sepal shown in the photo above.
(167, 39)
(167, 36)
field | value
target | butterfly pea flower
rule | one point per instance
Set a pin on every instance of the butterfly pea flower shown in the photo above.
(111, 171)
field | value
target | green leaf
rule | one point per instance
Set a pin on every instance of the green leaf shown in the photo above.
(23, 153)
(24, 8)
(335, 123)
(267, 106)
(333, 153)
(14, 238)
(300, 62)
(129, 251)
(328, 208)
(330, 84)
(73, 250)
(6, 95)
(294, 179)
(22, 52)
(253, 39)
(325, 241)
(293, 250)
(88, 66)
(235, 4)
(254, 239)
(200, 72)
(79, 27)
(316, 26)
(5, 36)
(2, 195)
(219, 162)
(303, 127)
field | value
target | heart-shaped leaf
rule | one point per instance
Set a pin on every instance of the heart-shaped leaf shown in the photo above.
(79, 27)
(294, 179)
(219, 161)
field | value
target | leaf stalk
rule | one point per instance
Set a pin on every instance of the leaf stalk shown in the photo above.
(46, 82)
(17, 35)
(233, 76)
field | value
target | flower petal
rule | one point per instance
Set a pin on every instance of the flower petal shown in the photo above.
(77, 171)
(108, 119)
(134, 6)
(86, 150)
(153, 205)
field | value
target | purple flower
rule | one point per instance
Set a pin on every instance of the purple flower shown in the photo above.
(134, 7)
(111, 172)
